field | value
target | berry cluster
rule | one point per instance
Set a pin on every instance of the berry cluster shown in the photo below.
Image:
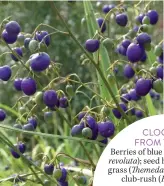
(90, 129)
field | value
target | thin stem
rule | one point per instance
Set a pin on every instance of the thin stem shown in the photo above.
(93, 62)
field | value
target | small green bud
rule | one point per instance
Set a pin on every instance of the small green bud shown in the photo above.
(87, 132)
(158, 85)
(146, 20)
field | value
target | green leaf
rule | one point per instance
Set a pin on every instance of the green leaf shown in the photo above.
(150, 106)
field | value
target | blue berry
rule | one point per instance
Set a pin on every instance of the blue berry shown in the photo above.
(140, 18)
(63, 102)
(128, 71)
(48, 169)
(134, 52)
(122, 19)
(17, 84)
(117, 113)
(160, 58)
(19, 52)
(76, 130)
(50, 98)
(33, 121)
(28, 86)
(134, 95)
(153, 15)
(81, 115)
(26, 42)
(143, 86)
(125, 43)
(106, 9)
(106, 129)
(13, 28)
(63, 183)
(39, 61)
(125, 97)
(43, 37)
(2, 115)
(14, 154)
(139, 113)
(143, 38)
(64, 175)
(144, 57)
(121, 50)
(160, 72)
(5, 73)
(101, 21)
(91, 122)
(21, 147)
(92, 45)
(28, 127)
(9, 39)
(105, 141)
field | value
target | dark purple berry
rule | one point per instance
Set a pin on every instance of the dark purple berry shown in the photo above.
(139, 113)
(64, 175)
(28, 127)
(50, 98)
(63, 102)
(28, 86)
(19, 52)
(140, 18)
(48, 169)
(81, 115)
(2, 115)
(152, 94)
(76, 130)
(135, 28)
(157, 96)
(102, 24)
(39, 61)
(143, 38)
(144, 57)
(121, 19)
(33, 121)
(160, 58)
(15, 154)
(117, 113)
(21, 147)
(134, 95)
(12, 28)
(106, 129)
(17, 84)
(105, 9)
(43, 37)
(9, 39)
(128, 71)
(121, 50)
(125, 43)
(26, 42)
(65, 183)
(105, 141)
(91, 122)
(134, 52)
(5, 73)
(92, 45)
(160, 72)
(125, 97)
(153, 15)
(143, 86)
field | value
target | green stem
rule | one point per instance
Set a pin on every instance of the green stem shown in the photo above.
(93, 62)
